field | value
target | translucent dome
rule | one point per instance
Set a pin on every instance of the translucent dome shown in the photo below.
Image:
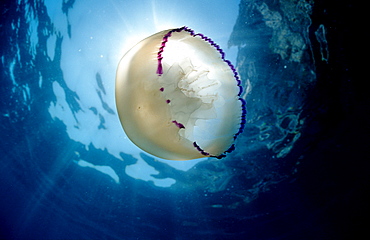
(178, 98)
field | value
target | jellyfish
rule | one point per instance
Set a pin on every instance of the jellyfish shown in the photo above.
(178, 98)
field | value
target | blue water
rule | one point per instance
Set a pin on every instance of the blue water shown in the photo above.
(69, 172)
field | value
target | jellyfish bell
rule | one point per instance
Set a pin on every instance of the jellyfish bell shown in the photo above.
(178, 98)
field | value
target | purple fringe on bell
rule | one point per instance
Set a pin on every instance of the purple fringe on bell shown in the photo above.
(236, 76)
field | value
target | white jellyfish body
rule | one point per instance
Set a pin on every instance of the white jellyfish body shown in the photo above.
(178, 98)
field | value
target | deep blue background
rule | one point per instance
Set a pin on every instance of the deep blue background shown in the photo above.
(45, 195)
